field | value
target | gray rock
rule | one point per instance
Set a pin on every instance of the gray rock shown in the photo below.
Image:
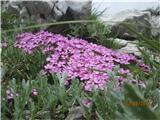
(41, 12)
(155, 23)
(121, 42)
(131, 48)
(138, 20)
(75, 113)
(142, 21)
(49, 11)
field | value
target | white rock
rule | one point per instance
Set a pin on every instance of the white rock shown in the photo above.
(155, 23)
(121, 42)
(131, 48)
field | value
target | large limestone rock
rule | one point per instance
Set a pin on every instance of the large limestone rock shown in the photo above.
(41, 12)
(138, 20)
(48, 11)
(142, 21)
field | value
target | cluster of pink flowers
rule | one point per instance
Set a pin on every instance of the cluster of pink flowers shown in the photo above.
(144, 67)
(76, 57)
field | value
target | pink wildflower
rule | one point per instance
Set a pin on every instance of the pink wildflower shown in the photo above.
(34, 92)
(86, 102)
